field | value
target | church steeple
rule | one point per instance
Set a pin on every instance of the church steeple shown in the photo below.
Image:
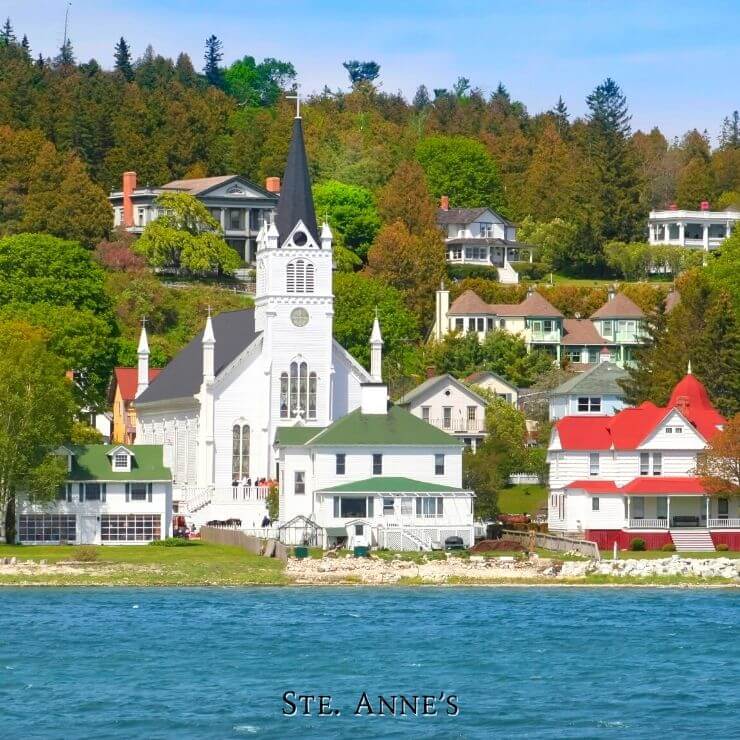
(296, 200)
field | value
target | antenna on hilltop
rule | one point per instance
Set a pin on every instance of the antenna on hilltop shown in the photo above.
(66, 21)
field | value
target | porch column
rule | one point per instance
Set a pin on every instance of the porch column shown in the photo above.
(222, 219)
(681, 233)
(531, 257)
(629, 517)
(706, 500)
(668, 511)
(705, 236)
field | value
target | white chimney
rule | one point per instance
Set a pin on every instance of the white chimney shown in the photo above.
(442, 309)
(373, 398)
(142, 372)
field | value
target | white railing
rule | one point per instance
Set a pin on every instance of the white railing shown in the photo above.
(414, 538)
(472, 426)
(724, 523)
(648, 524)
(240, 494)
(524, 478)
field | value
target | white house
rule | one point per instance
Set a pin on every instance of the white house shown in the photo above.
(379, 476)
(114, 495)
(702, 229)
(218, 406)
(495, 384)
(446, 403)
(631, 475)
(480, 236)
(593, 392)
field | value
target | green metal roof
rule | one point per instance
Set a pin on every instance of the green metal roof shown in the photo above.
(296, 436)
(91, 462)
(391, 485)
(397, 427)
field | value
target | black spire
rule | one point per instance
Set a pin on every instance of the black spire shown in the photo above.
(296, 200)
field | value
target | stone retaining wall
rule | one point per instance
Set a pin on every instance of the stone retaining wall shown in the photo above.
(554, 542)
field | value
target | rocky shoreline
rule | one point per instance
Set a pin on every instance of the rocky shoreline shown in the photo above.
(379, 571)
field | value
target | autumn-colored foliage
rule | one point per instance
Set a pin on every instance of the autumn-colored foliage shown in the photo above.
(719, 464)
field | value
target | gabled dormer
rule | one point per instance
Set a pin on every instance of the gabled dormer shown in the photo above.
(121, 459)
(68, 453)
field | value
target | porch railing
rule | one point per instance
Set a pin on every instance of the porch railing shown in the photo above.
(458, 425)
(648, 524)
(724, 523)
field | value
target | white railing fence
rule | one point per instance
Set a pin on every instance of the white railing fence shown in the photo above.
(472, 426)
(724, 524)
(648, 524)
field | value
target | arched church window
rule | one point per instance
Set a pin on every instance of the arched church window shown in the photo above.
(312, 396)
(240, 452)
(298, 392)
(284, 396)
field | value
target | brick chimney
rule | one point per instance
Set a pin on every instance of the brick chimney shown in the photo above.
(683, 404)
(704, 205)
(431, 371)
(129, 185)
(272, 184)
(672, 207)
(444, 202)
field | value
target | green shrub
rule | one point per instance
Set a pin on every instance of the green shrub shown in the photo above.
(531, 270)
(86, 554)
(668, 547)
(637, 545)
(460, 272)
(723, 547)
(172, 542)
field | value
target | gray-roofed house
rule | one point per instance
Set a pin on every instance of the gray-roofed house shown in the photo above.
(596, 392)
(239, 205)
(481, 236)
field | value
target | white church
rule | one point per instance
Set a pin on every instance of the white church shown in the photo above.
(267, 394)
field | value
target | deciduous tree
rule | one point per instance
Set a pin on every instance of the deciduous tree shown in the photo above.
(718, 464)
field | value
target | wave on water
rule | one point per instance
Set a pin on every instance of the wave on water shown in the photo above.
(246, 729)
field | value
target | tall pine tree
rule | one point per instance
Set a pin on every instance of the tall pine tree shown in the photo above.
(213, 57)
(7, 35)
(615, 168)
(122, 57)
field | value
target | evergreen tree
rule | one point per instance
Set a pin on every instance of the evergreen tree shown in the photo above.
(361, 71)
(406, 198)
(26, 46)
(7, 35)
(695, 184)
(122, 57)
(729, 137)
(66, 57)
(213, 57)
(185, 71)
(421, 98)
(560, 114)
(615, 173)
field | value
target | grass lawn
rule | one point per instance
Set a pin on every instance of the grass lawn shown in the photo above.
(198, 564)
(522, 499)
(558, 279)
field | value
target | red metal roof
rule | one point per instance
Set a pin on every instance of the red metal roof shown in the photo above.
(126, 379)
(595, 486)
(664, 485)
(645, 486)
(630, 427)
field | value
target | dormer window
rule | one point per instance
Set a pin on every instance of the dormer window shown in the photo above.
(120, 459)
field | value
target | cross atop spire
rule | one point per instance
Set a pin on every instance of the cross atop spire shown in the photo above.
(297, 98)
(296, 199)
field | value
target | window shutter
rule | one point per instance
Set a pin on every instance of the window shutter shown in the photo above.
(370, 500)
(439, 506)
(82, 491)
(336, 507)
(128, 492)
(418, 507)
(69, 492)
(103, 491)
(149, 492)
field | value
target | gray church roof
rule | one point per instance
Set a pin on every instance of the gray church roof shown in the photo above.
(432, 383)
(602, 379)
(296, 200)
(234, 331)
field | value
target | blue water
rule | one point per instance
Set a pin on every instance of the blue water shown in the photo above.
(214, 663)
